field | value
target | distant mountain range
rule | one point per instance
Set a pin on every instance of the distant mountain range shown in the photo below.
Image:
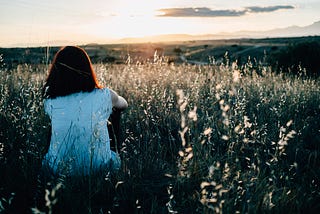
(292, 31)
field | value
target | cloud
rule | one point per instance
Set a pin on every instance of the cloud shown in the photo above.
(268, 9)
(198, 12)
(207, 12)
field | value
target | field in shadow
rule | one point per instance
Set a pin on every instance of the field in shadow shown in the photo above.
(207, 138)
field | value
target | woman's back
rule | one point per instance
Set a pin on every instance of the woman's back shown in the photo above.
(79, 109)
(79, 139)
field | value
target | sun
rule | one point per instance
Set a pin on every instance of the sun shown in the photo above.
(124, 20)
(134, 20)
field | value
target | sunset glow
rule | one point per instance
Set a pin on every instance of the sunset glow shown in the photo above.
(41, 22)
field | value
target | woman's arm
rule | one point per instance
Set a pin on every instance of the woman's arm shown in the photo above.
(118, 102)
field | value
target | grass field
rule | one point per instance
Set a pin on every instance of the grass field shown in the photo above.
(195, 139)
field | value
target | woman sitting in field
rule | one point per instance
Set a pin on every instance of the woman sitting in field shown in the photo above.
(79, 110)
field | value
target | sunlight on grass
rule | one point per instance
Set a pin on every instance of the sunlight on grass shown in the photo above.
(199, 139)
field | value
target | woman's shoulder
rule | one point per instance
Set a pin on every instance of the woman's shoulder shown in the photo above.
(101, 91)
(101, 94)
(98, 93)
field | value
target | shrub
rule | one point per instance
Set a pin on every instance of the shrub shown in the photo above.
(301, 58)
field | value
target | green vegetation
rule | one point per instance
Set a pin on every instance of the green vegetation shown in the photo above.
(297, 55)
(299, 59)
(195, 139)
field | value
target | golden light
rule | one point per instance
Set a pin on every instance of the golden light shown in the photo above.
(137, 20)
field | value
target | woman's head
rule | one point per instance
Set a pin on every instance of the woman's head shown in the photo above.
(71, 72)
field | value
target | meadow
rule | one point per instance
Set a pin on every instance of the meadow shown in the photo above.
(195, 139)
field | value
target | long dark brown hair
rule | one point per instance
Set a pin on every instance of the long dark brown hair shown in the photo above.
(71, 72)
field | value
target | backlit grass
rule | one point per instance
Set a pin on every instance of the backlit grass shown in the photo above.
(195, 139)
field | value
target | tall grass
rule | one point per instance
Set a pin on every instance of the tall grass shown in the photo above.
(195, 139)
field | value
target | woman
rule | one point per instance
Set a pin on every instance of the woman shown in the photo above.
(79, 109)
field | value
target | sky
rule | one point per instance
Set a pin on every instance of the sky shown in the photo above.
(28, 22)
